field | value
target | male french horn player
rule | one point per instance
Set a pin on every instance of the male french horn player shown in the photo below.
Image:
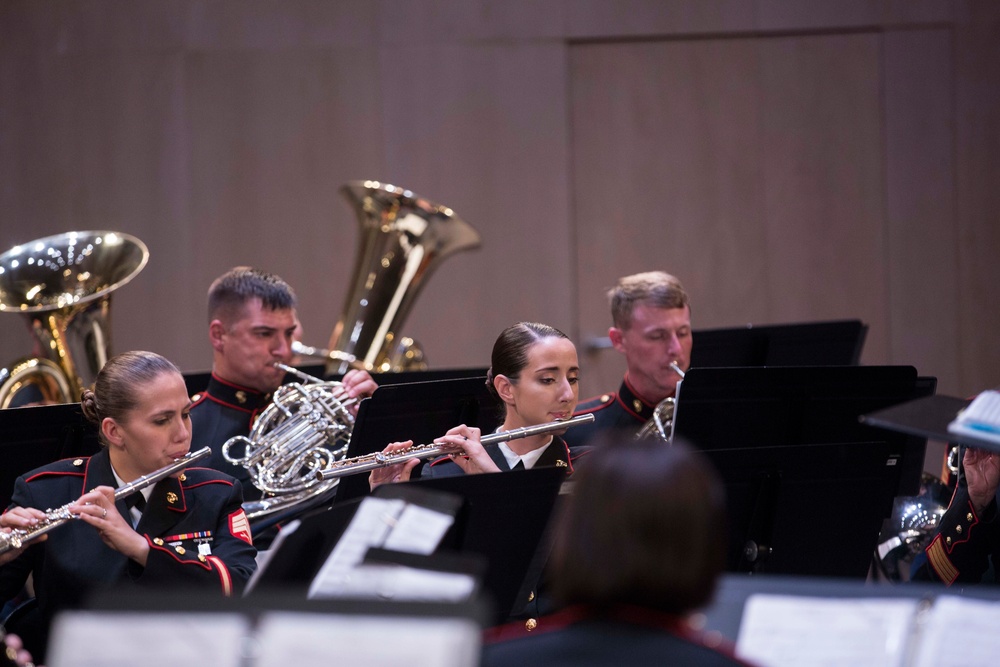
(651, 317)
(251, 325)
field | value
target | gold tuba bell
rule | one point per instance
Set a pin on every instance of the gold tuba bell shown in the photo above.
(308, 426)
(403, 239)
(63, 285)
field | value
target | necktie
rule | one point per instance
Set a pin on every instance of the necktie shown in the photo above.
(136, 502)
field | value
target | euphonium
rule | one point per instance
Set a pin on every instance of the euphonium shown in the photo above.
(63, 284)
(663, 416)
(403, 239)
(306, 428)
(57, 517)
(369, 462)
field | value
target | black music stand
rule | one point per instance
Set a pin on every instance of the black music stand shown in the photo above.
(504, 520)
(834, 343)
(196, 381)
(807, 484)
(418, 411)
(34, 436)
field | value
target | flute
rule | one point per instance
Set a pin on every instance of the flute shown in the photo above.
(16, 538)
(368, 462)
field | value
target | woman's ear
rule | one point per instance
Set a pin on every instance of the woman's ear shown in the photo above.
(505, 388)
(112, 432)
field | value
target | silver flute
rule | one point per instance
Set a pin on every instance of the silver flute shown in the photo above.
(16, 538)
(368, 462)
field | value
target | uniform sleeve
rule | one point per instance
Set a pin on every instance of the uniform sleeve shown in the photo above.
(226, 569)
(964, 544)
(14, 574)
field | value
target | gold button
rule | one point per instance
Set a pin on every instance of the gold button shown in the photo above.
(171, 497)
(605, 398)
(183, 477)
(969, 516)
(530, 624)
(179, 550)
(241, 397)
(78, 462)
(948, 540)
(157, 541)
(202, 557)
(194, 399)
(958, 529)
(531, 596)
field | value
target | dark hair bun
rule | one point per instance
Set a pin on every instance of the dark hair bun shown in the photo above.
(88, 403)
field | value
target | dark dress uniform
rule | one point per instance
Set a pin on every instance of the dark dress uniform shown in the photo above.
(965, 545)
(200, 507)
(557, 454)
(623, 411)
(581, 637)
(222, 411)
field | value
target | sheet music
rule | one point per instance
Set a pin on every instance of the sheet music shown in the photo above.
(288, 638)
(400, 583)
(392, 524)
(960, 631)
(783, 630)
(151, 639)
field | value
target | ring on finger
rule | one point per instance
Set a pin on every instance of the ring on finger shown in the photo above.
(105, 516)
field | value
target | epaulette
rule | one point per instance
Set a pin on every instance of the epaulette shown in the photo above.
(596, 403)
(74, 466)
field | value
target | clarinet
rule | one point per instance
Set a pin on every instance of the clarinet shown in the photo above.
(18, 537)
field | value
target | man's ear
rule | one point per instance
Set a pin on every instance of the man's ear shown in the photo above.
(505, 388)
(216, 332)
(617, 339)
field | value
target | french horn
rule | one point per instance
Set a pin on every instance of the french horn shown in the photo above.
(63, 285)
(403, 238)
(659, 425)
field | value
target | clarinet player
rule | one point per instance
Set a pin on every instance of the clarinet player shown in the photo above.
(187, 530)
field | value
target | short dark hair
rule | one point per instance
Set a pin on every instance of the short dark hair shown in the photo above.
(645, 526)
(655, 288)
(230, 292)
(114, 392)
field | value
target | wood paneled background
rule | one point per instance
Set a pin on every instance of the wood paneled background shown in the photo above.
(789, 160)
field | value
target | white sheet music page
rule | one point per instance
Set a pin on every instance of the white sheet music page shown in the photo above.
(368, 528)
(960, 631)
(395, 525)
(790, 631)
(304, 640)
(151, 639)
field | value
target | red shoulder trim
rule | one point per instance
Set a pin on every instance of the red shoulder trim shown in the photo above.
(55, 473)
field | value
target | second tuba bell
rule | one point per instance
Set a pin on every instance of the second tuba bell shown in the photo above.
(403, 239)
(63, 285)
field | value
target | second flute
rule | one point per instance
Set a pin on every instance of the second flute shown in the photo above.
(369, 462)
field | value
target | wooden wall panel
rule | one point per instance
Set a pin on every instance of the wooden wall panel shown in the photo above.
(482, 129)
(920, 215)
(823, 183)
(977, 105)
(274, 135)
(665, 176)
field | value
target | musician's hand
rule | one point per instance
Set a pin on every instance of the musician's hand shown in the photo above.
(359, 384)
(97, 508)
(463, 446)
(398, 472)
(982, 473)
(21, 518)
(15, 649)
